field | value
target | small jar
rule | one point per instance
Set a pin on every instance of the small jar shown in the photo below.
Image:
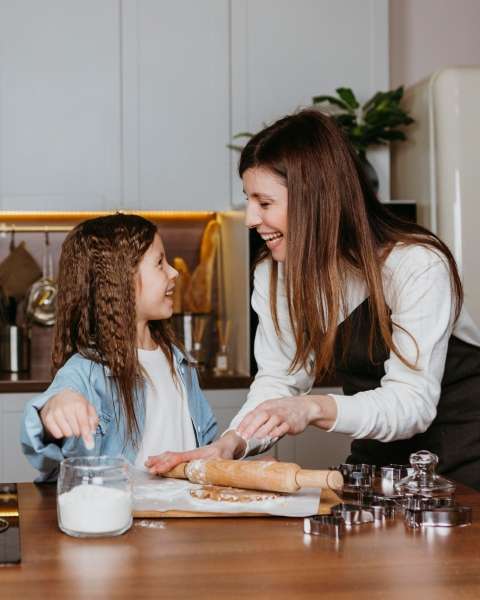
(197, 356)
(94, 496)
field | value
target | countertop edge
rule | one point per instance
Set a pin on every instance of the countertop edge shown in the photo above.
(207, 383)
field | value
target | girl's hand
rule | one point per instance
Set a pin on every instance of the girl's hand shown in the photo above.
(228, 446)
(69, 414)
(292, 415)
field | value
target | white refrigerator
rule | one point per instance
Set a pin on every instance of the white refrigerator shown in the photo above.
(439, 167)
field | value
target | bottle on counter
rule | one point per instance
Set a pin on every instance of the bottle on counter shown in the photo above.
(221, 357)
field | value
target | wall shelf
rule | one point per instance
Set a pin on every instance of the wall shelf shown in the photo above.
(38, 221)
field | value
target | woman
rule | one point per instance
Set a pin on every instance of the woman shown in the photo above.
(343, 286)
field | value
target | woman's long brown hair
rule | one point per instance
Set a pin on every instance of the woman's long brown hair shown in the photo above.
(336, 226)
(96, 313)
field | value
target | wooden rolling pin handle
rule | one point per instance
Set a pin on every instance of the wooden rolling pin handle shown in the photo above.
(319, 479)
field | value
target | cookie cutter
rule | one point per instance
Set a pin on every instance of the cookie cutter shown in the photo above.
(352, 514)
(331, 526)
(424, 498)
(350, 471)
(420, 511)
(449, 516)
(384, 508)
(395, 472)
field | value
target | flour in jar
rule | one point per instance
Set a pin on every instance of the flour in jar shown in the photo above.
(95, 509)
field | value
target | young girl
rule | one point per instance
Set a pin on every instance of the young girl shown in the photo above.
(345, 286)
(121, 386)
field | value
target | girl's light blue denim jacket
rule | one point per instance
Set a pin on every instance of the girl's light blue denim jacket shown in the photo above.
(93, 381)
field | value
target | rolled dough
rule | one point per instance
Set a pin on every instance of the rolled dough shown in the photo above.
(229, 494)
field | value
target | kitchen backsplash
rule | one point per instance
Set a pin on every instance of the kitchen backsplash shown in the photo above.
(182, 238)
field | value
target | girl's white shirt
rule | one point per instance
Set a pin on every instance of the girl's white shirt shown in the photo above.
(168, 424)
(417, 288)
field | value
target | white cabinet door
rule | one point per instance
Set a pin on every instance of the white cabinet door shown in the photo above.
(60, 128)
(225, 405)
(178, 87)
(14, 466)
(314, 449)
(285, 52)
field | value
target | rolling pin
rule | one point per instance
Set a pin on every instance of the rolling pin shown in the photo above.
(256, 475)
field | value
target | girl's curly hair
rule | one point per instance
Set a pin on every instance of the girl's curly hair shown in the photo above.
(96, 313)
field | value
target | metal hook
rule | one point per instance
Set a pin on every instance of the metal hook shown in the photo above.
(12, 240)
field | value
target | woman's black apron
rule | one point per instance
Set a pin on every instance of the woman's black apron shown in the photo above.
(454, 435)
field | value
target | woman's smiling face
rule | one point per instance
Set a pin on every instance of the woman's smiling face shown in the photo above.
(267, 202)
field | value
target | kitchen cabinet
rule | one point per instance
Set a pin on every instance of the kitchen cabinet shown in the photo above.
(131, 103)
(178, 86)
(13, 464)
(60, 108)
(284, 53)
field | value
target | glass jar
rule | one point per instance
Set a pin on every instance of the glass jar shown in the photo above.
(94, 496)
(424, 481)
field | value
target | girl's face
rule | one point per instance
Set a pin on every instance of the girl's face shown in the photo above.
(267, 202)
(154, 284)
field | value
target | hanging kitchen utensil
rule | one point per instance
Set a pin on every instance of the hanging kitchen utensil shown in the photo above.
(18, 271)
(43, 293)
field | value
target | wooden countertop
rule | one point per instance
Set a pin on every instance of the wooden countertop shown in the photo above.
(38, 379)
(242, 558)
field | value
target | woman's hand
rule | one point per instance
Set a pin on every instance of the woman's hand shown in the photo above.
(228, 446)
(292, 415)
(69, 414)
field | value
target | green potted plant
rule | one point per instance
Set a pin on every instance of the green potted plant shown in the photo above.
(375, 123)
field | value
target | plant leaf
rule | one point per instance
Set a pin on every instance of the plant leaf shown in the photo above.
(243, 134)
(346, 120)
(348, 97)
(331, 100)
(393, 136)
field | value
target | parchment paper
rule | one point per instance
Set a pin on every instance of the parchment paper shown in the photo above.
(160, 494)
